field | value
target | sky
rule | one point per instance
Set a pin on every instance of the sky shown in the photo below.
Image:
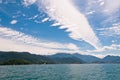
(45, 27)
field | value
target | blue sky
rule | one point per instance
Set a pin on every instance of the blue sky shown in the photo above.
(69, 26)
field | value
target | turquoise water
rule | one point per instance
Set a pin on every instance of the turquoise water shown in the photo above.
(61, 72)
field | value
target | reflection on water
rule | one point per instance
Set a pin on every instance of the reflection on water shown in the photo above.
(88, 72)
(61, 72)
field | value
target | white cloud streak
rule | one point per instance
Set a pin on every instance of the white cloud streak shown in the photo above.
(28, 2)
(45, 19)
(13, 22)
(66, 14)
(111, 31)
(113, 49)
(111, 6)
(107, 50)
(105, 6)
(12, 40)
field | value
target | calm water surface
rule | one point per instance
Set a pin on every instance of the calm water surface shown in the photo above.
(61, 72)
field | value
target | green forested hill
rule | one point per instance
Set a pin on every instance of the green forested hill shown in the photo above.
(23, 57)
(27, 58)
(18, 58)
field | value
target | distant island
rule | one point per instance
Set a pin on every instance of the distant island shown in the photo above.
(25, 58)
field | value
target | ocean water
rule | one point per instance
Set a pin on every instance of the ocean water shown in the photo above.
(61, 72)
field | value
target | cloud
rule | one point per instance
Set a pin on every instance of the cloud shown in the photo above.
(90, 12)
(112, 48)
(0, 1)
(13, 22)
(109, 10)
(111, 31)
(28, 2)
(111, 6)
(67, 15)
(12, 40)
(45, 19)
(105, 6)
(102, 3)
(56, 24)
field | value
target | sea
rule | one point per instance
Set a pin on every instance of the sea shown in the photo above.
(60, 72)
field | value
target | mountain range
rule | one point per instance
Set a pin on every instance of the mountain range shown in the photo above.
(14, 58)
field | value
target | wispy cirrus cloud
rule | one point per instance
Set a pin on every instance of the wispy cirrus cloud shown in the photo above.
(107, 48)
(45, 19)
(0, 1)
(111, 6)
(66, 14)
(111, 31)
(105, 6)
(113, 49)
(17, 41)
(28, 2)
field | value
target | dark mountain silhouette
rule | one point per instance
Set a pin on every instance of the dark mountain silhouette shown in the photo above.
(13, 58)
(111, 59)
(23, 56)
(87, 58)
(65, 58)
(27, 58)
